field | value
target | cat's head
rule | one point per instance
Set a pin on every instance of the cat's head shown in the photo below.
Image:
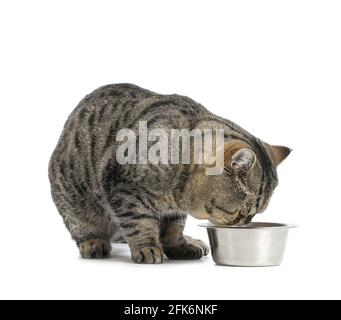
(247, 184)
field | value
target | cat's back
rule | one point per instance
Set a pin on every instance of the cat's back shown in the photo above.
(128, 103)
(92, 127)
(110, 108)
(111, 102)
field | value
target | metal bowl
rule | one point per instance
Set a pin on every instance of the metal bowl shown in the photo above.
(257, 244)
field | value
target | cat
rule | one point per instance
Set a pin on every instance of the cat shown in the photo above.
(102, 201)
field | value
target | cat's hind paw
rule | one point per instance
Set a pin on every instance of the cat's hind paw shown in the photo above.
(95, 249)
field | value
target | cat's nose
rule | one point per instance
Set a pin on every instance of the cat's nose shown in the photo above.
(240, 223)
(248, 219)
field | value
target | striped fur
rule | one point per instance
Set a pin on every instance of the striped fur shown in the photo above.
(102, 201)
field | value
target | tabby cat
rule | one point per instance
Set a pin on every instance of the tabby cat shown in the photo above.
(102, 201)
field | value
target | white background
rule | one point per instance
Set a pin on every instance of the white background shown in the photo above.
(273, 67)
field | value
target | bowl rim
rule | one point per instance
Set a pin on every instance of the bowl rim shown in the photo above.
(252, 226)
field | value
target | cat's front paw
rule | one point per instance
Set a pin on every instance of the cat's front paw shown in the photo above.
(95, 249)
(147, 255)
(192, 249)
(199, 243)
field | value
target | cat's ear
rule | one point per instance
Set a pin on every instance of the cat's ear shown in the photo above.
(243, 161)
(279, 153)
(239, 158)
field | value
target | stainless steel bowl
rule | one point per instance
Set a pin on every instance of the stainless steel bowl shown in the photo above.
(257, 244)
